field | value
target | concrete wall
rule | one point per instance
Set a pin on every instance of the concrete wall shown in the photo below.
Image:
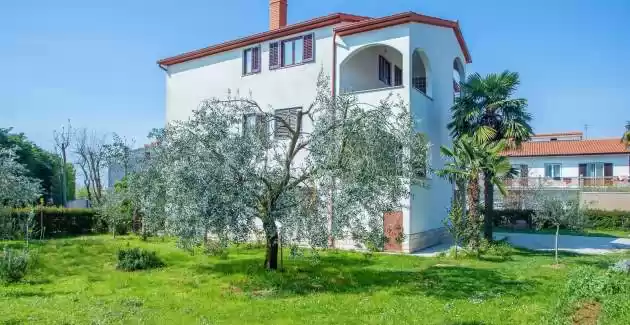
(570, 164)
(607, 200)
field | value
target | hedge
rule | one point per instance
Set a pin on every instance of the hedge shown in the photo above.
(56, 222)
(596, 219)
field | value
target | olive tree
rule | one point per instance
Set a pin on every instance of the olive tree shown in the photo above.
(16, 188)
(326, 170)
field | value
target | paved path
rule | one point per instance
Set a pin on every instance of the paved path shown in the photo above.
(576, 244)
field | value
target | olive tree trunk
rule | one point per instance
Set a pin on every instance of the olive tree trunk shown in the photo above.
(271, 254)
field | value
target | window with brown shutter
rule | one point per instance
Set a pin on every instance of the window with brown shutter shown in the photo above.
(251, 60)
(397, 76)
(384, 70)
(309, 53)
(289, 116)
(274, 55)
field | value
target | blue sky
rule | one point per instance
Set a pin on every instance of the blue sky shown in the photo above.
(94, 61)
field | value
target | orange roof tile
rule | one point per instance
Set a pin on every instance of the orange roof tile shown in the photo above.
(568, 148)
(558, 134)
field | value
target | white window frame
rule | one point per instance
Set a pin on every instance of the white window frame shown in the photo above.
(552, 173)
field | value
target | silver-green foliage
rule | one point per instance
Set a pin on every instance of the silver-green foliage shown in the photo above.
(338, 158)
(16, 188)
(13, 265)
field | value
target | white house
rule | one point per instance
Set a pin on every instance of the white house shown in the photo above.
(569, 160)
(417, 57)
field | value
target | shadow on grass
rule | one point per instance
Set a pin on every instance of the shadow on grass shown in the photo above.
(356, 275)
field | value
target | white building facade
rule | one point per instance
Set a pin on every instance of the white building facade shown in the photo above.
(416, 57)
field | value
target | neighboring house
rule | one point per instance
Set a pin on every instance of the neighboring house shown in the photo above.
(417, 57)
(116, 171)
(568, 160)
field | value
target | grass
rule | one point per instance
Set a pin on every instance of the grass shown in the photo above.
(75, 281)
(585, 232)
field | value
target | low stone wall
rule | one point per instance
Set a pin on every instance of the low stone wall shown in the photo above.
(606, 200)
(421, 240)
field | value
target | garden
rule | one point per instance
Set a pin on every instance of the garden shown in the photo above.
(80, 281)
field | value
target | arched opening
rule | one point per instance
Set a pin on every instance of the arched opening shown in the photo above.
(459, 76)
(371, 67)
(421, 72)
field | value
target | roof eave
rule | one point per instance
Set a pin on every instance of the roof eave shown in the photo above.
(315, 23)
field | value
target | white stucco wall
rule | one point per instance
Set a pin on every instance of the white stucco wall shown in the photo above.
(570, 164)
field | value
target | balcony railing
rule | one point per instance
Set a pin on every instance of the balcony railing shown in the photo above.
(569, 182)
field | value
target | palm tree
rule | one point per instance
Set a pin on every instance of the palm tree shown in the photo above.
(468, 160)
(487, 112)
(626, 135)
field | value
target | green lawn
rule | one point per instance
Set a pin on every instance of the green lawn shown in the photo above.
(585, 232)
(75, 282)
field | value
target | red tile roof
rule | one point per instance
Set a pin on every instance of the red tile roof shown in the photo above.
(568, 148)
(558, 134)
(350, 24)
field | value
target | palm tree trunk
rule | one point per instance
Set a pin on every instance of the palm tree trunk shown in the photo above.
(473, 213)
(488, 189)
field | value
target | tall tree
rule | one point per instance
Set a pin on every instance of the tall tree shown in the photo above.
(62, 143)
(91, 158)
(221, 172)
(487, 112)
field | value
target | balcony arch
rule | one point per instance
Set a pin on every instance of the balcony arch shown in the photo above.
(459, 76)
(421, 72)
(371, 67)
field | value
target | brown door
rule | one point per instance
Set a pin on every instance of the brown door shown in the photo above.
(608, 174)
(392, 225)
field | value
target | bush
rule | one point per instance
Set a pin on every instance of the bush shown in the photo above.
(600, 219)
(215, 248)
(138, 259)
(512, 215)
(622, 266)
(56, 222)
(589, 283)
(13, 265)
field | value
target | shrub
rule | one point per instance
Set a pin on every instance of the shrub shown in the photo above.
(13, 265)
(601, 219)
(590, 283)
(215, 248)
(512, 215)
(133, 259)
(622, 266)
(56, 222)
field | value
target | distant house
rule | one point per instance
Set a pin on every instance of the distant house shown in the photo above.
(569, 160)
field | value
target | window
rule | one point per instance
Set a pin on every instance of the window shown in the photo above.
(289, 116)
(254, 122)
(384, 70)
(595, 170)
(291, 52)
(397, 76)
(553, 170)
(251, 60)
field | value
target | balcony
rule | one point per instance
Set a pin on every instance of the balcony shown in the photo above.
(583, 183)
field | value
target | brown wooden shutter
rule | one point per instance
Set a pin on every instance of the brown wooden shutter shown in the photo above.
(256, 59)
(309, 53)
(582, 170)
(274, 55)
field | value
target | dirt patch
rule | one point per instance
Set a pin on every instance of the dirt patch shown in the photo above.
(587, 313)
(555, 266)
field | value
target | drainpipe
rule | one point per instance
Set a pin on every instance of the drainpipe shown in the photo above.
(334, 63)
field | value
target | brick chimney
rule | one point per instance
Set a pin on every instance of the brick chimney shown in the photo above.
(277, 14)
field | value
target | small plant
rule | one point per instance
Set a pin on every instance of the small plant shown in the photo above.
(559, 213)
(216, 248)
(455, 224)
(13, 265)
(622, 266)
(138, 259)
(501, 250)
